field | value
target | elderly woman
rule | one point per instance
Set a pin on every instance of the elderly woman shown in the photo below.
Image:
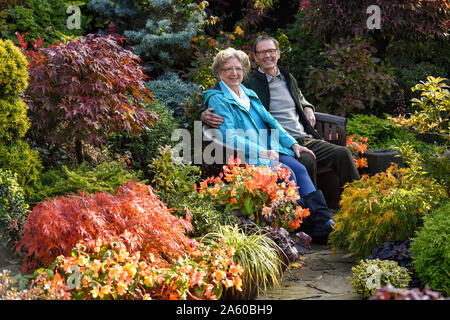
(248, 126)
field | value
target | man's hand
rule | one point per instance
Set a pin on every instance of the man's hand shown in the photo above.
(269, 154)
(309, 113)
(298, 148)
(211, 119)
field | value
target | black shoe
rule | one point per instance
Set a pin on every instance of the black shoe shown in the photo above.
(320, 232)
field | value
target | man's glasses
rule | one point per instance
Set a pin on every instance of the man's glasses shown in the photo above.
(230, 70)
(264, 52)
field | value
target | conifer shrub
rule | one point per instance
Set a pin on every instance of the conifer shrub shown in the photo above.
(13, 208)
(13, 82)
(69, 180)
(13, 70)
(430, 250)
(388, 206)
(171, 91)
(133, 212)
(14, 122)
(15, 154)
(19, 158)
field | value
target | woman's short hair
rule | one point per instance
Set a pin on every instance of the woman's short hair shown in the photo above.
(223, 56)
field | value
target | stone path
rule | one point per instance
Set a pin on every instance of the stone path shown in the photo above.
(319, 276)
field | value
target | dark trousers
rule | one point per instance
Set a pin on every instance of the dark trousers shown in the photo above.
(328, 155)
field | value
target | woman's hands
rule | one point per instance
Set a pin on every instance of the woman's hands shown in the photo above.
(269, 154)
(273, 155)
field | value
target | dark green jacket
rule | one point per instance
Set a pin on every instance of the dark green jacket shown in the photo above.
(257, 81)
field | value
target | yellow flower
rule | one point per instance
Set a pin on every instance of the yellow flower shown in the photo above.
(238, 283)
(81, 260)
(219, 275)
(121, 288)
(96, 266)
(95, 292)
(130, 268)
(239, 31)
(123, 254)
(105, 290)
(115, 271)
(148, 280)
(228, 283)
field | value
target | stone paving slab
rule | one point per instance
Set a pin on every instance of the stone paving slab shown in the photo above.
(321, 275)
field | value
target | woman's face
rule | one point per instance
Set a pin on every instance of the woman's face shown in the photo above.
(232, 73)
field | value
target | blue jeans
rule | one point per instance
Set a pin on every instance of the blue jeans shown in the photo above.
(299, 174)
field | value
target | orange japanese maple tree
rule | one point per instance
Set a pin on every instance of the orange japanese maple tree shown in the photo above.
(134, 213)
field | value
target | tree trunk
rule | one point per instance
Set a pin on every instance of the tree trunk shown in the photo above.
(79, 150)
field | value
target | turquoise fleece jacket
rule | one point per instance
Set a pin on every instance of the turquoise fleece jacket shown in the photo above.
(240, 130)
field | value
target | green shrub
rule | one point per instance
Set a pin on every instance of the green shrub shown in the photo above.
(304, 51)
(410, 76)
(174, 182)
(106, 176)
(368, 275)
(430, 250)
(256, 253)
(13, 208)
(388, 206)
(144, 147)
(171, 176)
(353, 79)
(22, 160)
(381, 132)
(46, 18)
(205, 216)
(13, 70)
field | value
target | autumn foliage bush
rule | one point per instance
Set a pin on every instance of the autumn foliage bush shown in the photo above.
(388, 206)
(55, 226)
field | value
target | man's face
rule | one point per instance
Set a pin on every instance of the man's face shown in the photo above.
(266, 56)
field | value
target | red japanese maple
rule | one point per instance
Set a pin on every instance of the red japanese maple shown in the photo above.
(134, 214)
(86, 88)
